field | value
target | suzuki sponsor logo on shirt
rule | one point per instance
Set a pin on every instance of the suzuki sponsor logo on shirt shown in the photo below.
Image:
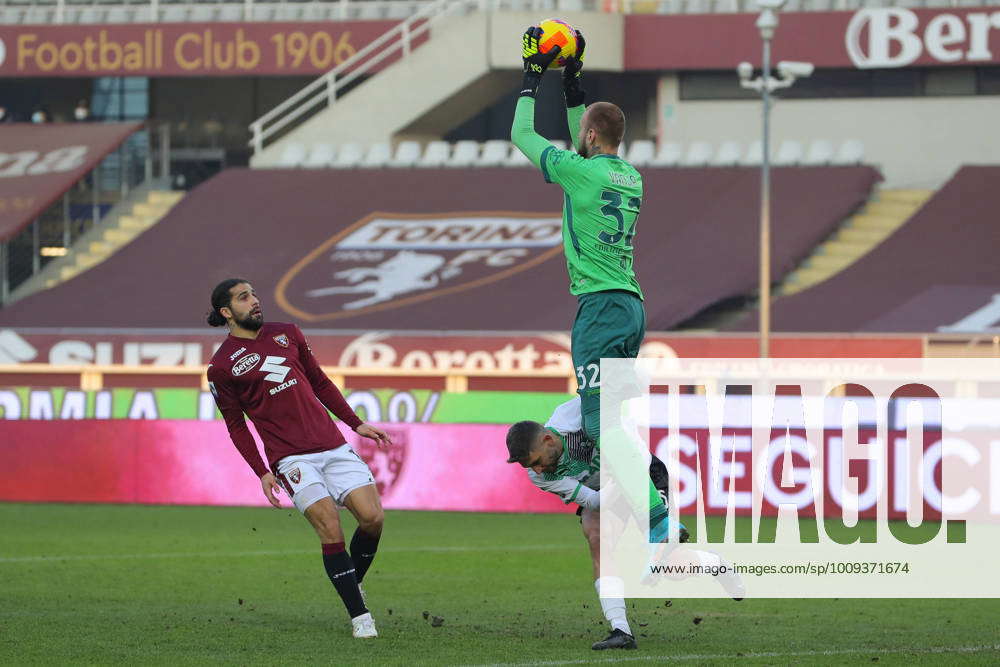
(246, 364)
(390, 260)
(897, 37)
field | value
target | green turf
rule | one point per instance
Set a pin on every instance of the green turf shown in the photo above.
(181, 585)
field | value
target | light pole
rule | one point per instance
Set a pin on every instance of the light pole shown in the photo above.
(765, 84)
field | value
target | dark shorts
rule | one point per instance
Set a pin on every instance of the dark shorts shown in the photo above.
(608, 324)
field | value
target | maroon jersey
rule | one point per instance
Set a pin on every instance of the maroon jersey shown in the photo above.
(277, 382)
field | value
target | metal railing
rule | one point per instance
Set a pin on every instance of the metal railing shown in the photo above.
(325, 90)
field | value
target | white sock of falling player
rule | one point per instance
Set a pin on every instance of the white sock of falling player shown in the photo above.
(614, 608)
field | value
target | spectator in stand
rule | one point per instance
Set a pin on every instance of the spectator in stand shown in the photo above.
(81, 113)
(40, 115)
(4, 116)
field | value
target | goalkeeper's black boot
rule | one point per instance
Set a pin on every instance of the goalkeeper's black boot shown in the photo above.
(617, 639)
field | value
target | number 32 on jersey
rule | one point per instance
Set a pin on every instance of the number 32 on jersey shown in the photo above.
(589, 376)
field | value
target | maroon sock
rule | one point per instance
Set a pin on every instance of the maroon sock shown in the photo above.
(363, 548)
(340, 569)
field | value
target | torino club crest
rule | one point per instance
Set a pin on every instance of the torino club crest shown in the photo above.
(391, 260)
(386, 464)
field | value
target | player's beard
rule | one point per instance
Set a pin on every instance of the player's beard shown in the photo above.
(251, 322)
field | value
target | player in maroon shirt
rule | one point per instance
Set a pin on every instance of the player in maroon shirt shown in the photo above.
(268, 372)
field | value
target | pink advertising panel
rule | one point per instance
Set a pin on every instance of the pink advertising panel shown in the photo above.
(431, 466)
(445, 467)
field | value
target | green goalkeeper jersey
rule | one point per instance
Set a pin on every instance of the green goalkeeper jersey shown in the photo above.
(602, 196)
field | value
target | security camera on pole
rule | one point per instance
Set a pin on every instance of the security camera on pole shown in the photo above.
(788, 71)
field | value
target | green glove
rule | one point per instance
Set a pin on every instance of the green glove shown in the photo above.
(573, 74)
(535, 62)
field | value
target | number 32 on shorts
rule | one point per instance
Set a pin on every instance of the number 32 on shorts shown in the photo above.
(589, 376)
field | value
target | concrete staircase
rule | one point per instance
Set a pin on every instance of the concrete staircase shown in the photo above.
(142, 209)
(859, 234)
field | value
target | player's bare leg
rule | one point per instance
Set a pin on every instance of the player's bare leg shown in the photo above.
(339, 567)
(364, 503)
(614, 608)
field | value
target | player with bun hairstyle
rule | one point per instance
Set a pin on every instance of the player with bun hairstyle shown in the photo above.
(267, 371)
(221, 299)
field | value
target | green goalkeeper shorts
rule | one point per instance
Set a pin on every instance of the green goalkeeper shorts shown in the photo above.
(608, 325)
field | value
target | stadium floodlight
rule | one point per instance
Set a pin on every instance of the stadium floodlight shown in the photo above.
(764, 85)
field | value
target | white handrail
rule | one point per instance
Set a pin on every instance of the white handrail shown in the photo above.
(400, 37)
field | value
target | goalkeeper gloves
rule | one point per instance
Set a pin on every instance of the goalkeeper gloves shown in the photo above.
(535, 62)
(572, 74)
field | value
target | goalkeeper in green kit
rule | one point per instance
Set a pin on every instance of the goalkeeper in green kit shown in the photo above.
(602, 197)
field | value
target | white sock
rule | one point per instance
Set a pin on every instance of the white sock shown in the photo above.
(708, 559)
(614, 608)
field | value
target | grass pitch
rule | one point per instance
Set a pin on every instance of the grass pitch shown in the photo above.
(191, 585)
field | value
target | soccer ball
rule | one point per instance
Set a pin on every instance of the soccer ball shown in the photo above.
(557, 33)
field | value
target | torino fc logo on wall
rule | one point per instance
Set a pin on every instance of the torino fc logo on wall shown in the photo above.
(389, 260)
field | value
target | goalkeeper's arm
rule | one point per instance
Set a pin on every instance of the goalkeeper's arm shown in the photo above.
(523, 134)
(575, 95)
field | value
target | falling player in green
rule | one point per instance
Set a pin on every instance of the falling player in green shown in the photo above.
(602, 197)
(561, 459)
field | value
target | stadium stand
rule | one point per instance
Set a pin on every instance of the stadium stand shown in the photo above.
(728, 155)
(377, 156)
(697, 235)
(851, 152)
(933, 272)
(668, 155)
(349, 155)
(790, 152)
(880, 217)
(129, 11)
(435, 155)
(51, 168)
(292, 155)
(698, 154)
(820, 152)
(466, 154)
(407, 154)
(494, 153)
(754, 154)
(321, 155)
(640, 153)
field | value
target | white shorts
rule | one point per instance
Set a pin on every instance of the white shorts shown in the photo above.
(333, 472)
